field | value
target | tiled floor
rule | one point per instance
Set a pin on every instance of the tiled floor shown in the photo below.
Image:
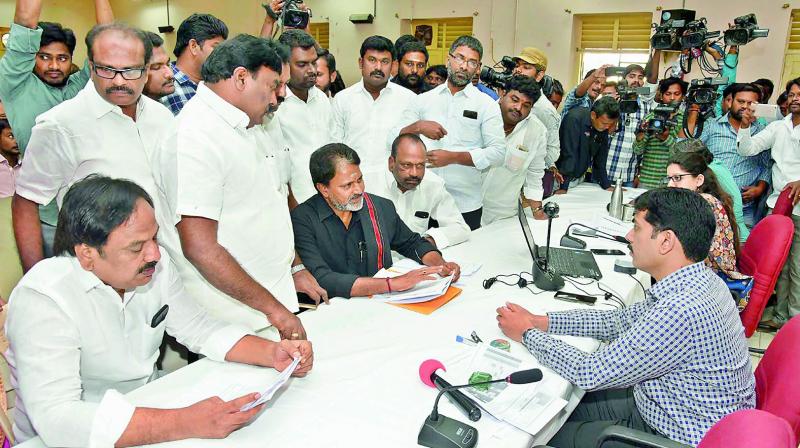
(759, 339)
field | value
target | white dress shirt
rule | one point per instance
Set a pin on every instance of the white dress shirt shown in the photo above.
(784, 139)
(543, 110)
(501, 186)
(88, 135)
(482, 137)
(306, 127)
(211, 167)
(76, 347)
(363, 123)
(269, 138)
(431, 198)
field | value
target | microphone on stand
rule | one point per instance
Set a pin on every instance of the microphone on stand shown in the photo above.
(427, 373)
(439, 431)
(543, 277)
(551, 210)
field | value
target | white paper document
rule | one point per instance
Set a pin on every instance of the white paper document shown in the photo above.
(270, 391)
(424, 291)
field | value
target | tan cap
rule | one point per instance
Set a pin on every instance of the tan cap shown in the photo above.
(533, 56)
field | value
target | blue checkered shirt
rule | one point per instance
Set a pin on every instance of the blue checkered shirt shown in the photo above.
(621, 162)
(720, 138)
(682, 349)
(185, 89)
(572, 101)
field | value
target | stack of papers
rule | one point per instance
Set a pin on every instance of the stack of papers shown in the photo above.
(270, 391)
(424, 291)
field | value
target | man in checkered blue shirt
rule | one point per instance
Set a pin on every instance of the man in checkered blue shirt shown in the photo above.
(198, 35)
(621, 163)
(675, 363)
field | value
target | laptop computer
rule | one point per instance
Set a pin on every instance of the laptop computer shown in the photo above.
(563, 261)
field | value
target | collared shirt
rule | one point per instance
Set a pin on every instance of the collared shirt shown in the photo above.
(682, 349)
(784, 139)
(622, 161)
(8, 177)
(306, 126)
(362, 123)
(487, 90)
(76, 346)
(501, 185)
(473, 124)
(337, 255)
(583, 147)
(720, 138)
(211, 167)
(543, 110)
(88, 135)
(269, 138)
(185, 89)
(572, 101)
(655, 154)
(430, 200)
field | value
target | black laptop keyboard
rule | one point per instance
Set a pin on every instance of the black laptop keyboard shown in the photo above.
(564, 262)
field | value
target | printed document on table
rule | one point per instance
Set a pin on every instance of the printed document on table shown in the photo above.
(270, 391)
(422, 292)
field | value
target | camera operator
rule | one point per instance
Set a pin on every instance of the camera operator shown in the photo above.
(532, 62)
(274, 10)
(584, 94)
(751, 173)
(657, 134)
(584, 143)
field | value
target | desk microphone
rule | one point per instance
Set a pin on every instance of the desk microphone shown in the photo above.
(545, 278)
(439, 431)
(573, 242)
(427, 373)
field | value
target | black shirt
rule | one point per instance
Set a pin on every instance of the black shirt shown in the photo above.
(583, 146)
(336, 256)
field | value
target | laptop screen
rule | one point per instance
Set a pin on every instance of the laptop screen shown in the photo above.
(526, 230)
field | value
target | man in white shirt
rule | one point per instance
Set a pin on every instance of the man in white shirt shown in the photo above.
(533, 62)
(462, 128)
(784, 138)
(366, 112)
(85, 328)
(235, 252)
(108, 128)
(418, 196)
(526, 150)
(306, 114)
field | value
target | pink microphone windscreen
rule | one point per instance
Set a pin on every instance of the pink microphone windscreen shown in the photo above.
(427, 368)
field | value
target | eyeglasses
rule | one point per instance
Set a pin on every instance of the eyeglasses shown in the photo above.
(461, 60)
(676, 178)
(129, 74)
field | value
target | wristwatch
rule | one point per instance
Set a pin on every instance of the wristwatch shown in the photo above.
(298, 268)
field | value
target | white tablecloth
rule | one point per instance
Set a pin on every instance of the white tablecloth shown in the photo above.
(364, 390)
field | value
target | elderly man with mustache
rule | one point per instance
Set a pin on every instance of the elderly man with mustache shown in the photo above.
(364, 113)
(109, 128)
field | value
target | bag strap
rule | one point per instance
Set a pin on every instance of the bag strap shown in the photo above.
(373, 217)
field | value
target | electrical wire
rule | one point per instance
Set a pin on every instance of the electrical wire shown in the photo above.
(644, 291)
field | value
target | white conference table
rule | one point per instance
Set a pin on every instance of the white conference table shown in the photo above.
(364, 390)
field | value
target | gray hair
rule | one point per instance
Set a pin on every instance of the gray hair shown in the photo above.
(470, 42)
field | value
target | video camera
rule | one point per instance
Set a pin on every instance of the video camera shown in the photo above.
(291, 16)
(703, 92)
(667, 33)
(629, 97)
(498, 79)
(696, 34)
(661, 121)
(744, 30)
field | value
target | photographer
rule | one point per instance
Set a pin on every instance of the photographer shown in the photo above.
(532, 63)
(584, 94)
(658, 133)
(584, 143)
(274, 12)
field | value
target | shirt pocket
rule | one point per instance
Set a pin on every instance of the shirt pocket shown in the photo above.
(469, 132)
(149, 341)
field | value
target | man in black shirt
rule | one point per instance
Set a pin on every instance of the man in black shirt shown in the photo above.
(345, 236)
(585, 140)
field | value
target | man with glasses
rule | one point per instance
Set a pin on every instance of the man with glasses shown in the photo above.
(34, 77)
(109, 128)
(461, 127)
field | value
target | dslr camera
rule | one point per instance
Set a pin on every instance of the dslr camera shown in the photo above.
(703, 92)
(495, 78)
(744, 30)
(661, 121)
(291, 16)
(696, 34)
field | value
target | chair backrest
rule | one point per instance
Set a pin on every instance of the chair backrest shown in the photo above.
(750, 428)
(762, 258)
(783, 206)
(777, 378)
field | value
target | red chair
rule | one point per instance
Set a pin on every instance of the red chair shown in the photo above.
(750, 428)
(783, 206)
(762, 258)
(777, 379)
